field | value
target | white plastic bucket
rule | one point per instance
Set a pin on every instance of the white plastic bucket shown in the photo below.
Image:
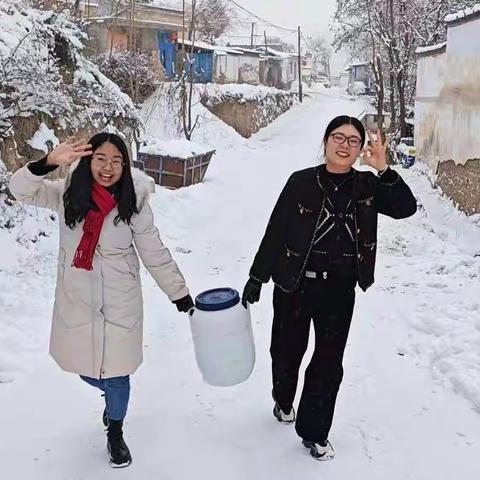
(222, 337)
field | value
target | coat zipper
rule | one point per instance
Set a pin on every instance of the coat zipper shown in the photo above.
(317, 226)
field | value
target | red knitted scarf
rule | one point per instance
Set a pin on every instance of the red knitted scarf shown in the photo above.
(92, 227)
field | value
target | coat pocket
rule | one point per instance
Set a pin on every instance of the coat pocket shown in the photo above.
(289, 253)
(366, 202)
(133, 265)
(303, 210)
(370, 245)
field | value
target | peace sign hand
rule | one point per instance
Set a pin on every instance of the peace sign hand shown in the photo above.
(375, 154)
(68, 152)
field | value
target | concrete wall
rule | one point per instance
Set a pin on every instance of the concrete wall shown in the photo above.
(249, 70)
(447, 113)
(249, 116)
(101, 38)
(98, 39)
(166, 18)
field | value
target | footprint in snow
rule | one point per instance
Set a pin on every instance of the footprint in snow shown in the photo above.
(437, 285)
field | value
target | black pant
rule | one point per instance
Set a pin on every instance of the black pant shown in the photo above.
(330, 304)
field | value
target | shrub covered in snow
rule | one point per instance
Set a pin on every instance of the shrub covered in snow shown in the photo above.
(4, 178)
(358, 88)
(7, 214)
(27, 223)
(43, 73)
(133, 72)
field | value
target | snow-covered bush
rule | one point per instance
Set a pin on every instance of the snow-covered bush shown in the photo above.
(358, 88)
(43, 73)
(27, 223)
(133, 72)
(4, 178)
(7, 215)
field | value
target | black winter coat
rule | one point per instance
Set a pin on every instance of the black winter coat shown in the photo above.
(290, 234)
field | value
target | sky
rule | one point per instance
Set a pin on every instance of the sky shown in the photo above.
(313, 15)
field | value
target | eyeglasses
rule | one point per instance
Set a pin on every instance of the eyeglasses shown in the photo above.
(340, 139)
(102, 162)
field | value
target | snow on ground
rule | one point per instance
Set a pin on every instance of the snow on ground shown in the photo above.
(41, 137)
(463, 13)
(409, 404)
(431, 48)
(178, 148)
(242, 91)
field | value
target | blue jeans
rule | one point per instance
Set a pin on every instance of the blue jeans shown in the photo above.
(117, 394)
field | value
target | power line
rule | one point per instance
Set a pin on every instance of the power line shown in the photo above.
(266, 22)
(256, 35)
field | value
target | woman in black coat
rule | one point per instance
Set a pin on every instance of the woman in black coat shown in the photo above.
(319, 243)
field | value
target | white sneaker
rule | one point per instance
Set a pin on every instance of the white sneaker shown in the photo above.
(319, 451)
(283, 417)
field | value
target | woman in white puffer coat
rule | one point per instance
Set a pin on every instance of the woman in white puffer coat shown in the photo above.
(105, 219)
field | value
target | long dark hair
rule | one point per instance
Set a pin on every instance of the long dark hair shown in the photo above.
(344, 120)
(77, 197)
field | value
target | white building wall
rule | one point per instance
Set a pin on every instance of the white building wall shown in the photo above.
(226, 68)
(289, 70)
(236, 69)
(447, 107)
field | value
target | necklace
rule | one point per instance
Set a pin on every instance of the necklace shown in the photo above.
(337, 186)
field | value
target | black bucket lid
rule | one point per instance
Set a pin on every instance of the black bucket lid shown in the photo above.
(217, 299)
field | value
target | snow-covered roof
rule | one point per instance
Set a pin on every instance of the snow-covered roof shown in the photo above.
(153, 24)
(89, 3)
(163, 6)
(463, 14)
(210, 48)
(248, 51)
(275, 53)
(358, 64)
(431, 49)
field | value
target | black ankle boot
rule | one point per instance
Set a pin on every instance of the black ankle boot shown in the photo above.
(116, 447)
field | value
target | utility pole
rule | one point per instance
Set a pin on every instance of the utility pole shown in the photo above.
(300, 86)
(266, 45)
(183, 30)
(252, 44)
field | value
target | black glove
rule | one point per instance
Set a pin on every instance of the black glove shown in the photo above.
(251, 292)
(184, 304)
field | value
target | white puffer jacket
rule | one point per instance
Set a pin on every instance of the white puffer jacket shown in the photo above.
(97, 325)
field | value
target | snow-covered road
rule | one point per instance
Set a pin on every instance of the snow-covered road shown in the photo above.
(409, 406)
